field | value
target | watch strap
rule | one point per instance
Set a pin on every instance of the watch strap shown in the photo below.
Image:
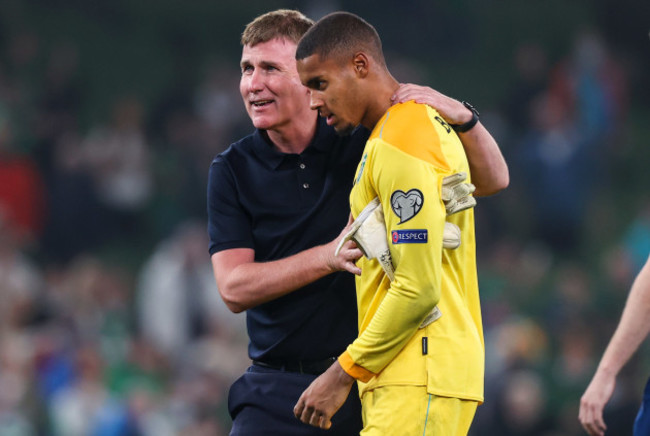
(461, 128)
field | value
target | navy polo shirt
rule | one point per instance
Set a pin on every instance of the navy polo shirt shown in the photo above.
(280, 204)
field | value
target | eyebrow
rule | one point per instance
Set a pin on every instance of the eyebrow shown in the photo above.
(263, 64)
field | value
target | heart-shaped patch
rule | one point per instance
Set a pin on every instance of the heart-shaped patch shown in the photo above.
(406, 204)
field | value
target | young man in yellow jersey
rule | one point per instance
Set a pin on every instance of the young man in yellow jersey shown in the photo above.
(413, 380)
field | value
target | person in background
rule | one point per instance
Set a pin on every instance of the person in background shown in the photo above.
(632, 329)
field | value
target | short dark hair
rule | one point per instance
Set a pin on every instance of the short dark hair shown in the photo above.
(340, 34)
(282, 23)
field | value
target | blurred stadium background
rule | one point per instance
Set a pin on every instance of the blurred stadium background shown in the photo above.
(111, 112)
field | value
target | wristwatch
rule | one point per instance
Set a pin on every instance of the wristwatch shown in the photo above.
(461, 128)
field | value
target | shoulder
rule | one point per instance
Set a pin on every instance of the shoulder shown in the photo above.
(232, 162)
(236, 150)
(415, 129)
(238, 156)
(405, 121)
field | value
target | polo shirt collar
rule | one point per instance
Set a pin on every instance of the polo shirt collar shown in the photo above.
(323, 141)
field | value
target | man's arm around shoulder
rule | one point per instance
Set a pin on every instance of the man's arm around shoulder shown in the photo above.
(487, 165)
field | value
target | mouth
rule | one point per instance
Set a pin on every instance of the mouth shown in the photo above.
(329, 118)
(261, 103)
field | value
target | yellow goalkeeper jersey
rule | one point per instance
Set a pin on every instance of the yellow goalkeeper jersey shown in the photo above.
(409, 152)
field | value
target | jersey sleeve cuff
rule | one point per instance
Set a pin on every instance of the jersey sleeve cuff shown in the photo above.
(354, 370)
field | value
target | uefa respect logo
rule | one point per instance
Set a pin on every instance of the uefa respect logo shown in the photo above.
(416, 236)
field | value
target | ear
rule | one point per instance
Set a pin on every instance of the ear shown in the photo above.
(361, 64)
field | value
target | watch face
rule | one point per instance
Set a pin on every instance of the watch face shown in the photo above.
(470, 107)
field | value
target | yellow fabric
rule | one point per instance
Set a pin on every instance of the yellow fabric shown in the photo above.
(356, 371)
(411, 151)
(414, 412)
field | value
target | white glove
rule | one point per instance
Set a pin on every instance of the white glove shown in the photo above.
(457, 195)
(369, 233)
(450, 236)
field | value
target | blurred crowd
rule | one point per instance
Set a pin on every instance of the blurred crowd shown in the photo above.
(110, 320)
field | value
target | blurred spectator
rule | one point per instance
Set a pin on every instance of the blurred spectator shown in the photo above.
(531, 77)
(20, 282)
(522, 406)
(179, 172)
(59, 105)
(20, 90)
(86, 407)
(592, 85)
(636, 240)
(118, 158)
(216, 100)
(177, 299)
(22, 202)
(75, 222)
(562, 159)
(554, 165)
(15, 384)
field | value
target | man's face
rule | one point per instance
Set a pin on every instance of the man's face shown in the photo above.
(270, 86)
(333, 91)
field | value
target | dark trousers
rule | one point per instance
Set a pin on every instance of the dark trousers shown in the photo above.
(261, 403)
(642, 422)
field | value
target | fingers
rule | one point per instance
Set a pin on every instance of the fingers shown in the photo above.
(344, 257)
(319, 420)
(404, 96)
(349, 251)
(593, 429)
(353, 268)
(458, 192)
(315, 419)
(454, 179)
(455, 206)
(591, 418)
(298, 408)
(407, 92)
(311, 416)
(349, 256)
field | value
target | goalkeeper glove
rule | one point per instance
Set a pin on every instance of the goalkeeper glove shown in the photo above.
(457, 195)
(368, 231)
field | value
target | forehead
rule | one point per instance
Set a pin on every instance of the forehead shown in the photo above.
(274, 50)
(314, 66)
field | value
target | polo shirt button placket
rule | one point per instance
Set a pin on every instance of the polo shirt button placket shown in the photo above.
(302, 166)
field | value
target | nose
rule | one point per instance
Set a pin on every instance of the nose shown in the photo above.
(315, 101)
(253, 81)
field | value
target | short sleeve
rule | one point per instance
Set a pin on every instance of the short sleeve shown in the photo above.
(229, 226)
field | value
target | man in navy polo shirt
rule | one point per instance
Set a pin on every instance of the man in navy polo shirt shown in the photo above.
(277, 201)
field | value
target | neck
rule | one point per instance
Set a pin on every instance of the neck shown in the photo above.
(383, 89)
(294, 137)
